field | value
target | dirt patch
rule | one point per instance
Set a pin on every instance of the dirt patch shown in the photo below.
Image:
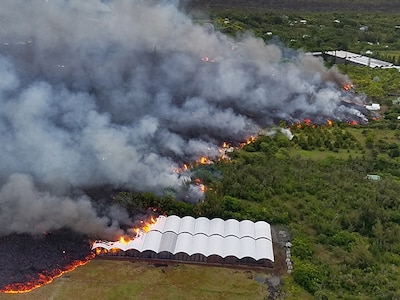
(274, 287)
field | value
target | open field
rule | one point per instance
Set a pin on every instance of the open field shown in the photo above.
(110, 279)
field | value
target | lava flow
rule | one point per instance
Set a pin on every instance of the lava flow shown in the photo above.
(67, 250)
(45, 277)
(28, 262)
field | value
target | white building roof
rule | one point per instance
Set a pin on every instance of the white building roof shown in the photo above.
(168, 242)
(202, 236)
(183, 243)
(360, 59)
(264, 249)
(187, 224)
(231, 228)
(152, 241)
(247, 247)
(170, 224)
(216, 244)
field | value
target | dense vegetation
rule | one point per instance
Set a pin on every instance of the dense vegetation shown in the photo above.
(377, 35)
(345, 228)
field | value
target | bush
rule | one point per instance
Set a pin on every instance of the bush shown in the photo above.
(307, 275)
(302, 248)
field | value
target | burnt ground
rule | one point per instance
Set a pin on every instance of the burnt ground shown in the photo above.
(23, 257)
(298, 5)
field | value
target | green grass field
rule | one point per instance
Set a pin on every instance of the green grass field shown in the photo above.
(112, 279)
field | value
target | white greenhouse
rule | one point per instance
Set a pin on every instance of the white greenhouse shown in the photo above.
(200, 240)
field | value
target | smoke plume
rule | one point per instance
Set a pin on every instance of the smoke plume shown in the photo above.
(120, 93)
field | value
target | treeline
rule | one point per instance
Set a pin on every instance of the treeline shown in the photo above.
(375, 33)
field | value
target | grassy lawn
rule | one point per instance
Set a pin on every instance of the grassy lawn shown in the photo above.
(107, 279)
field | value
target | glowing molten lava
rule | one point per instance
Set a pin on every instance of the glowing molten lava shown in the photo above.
(44, 277)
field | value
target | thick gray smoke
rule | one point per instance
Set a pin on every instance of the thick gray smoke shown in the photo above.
(121, 92)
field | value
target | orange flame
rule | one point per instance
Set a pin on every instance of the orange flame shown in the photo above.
(147, 226)
(353, 123)
(137, 232)
(45, 277)
(203, 188)
(225, 145)
(250, 140)
(182, 169)
(204, 160)
(308, 122)
(123, 240)
(347, 87)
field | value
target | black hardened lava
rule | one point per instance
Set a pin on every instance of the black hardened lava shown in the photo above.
(24, 258)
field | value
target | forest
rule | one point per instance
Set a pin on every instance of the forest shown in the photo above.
(345, 228)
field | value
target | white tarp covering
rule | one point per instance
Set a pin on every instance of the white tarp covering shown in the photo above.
(202, 236)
